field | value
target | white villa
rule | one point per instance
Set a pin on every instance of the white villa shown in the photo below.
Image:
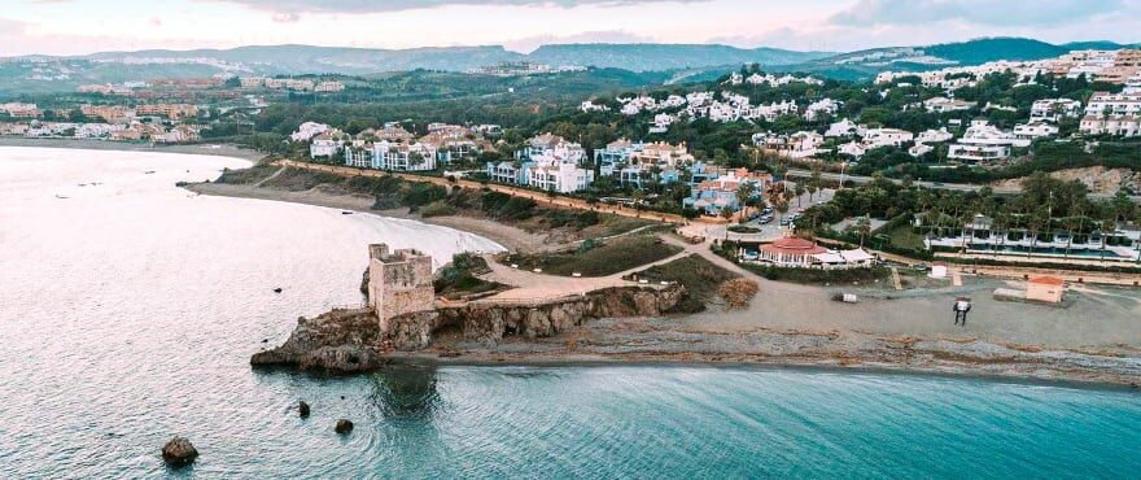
(984, 142)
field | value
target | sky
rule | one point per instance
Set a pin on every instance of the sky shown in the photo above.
(68, 27)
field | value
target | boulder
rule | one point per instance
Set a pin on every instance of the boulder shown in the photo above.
(343, 426)
(179, 452)
(303, 409)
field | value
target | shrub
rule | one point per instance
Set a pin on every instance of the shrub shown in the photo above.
(437, 209)
(738, 292)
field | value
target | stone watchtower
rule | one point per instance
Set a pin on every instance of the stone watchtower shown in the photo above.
(399, 282)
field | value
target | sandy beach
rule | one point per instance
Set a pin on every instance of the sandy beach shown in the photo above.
(224, 150)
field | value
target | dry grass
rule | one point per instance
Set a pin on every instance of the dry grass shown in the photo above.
(738, 292)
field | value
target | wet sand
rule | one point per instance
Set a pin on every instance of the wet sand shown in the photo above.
(510, 237)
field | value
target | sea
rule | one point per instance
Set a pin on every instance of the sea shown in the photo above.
(129, 308)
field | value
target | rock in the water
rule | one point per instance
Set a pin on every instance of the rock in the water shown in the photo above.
(303, 409)
(277, 290)
(179, 452)
(343, 426)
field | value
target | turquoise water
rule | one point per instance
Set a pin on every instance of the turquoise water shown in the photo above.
(129, 311)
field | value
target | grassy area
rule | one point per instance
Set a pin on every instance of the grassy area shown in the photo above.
(700, 278)
(597, 259)
(904, 236)
(247, 176)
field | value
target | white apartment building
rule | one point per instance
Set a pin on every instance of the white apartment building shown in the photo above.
(983, 142)
(1116, 125)
(1054, 109)
(882, 137)
(411, 157)
(1104, 103)
(944, 105)
(977, 153)
(560, 177)
(324, 145)
(1035, 130)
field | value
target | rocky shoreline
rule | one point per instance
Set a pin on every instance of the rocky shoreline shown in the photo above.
(348, 341)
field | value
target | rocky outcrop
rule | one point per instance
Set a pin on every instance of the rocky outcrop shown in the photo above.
(491, 322)
(179, 452)
(340, 340)
(352, 341)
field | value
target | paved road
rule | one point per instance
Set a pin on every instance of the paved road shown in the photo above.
(961, 187)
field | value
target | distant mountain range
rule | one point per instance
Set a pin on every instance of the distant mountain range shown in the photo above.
(688, 62)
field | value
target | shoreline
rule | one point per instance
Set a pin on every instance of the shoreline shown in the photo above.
(215, 149)
(432, 360)
(693, 340)
(511, 238)
(680, 341)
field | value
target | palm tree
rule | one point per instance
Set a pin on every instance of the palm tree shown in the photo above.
(816, 182)
(745, 193)
(781, 207)
(800, 190)
(1108, 225)
(1039, 219)
(864, 228)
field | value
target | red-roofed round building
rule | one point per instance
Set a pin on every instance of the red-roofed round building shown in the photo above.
(791, 252)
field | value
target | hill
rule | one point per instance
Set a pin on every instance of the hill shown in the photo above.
(865, 64)
(649, 57)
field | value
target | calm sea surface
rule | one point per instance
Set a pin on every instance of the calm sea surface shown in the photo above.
(129, 310)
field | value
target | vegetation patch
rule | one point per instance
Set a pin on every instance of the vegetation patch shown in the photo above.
(600, 258)
(458, 278)
(246, 176)
(701, 279)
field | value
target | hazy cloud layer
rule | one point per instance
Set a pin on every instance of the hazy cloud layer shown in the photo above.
(985, 12)
(375, 6)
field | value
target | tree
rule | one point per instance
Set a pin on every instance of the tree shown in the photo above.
(863, 228)
(781, 207)
(800, 190)
(745, 193)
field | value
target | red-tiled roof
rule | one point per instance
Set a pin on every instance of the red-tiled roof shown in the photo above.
(794, 246)
(1047, 280)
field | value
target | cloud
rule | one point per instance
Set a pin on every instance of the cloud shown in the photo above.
(377, 6)
(286, 17)
(867, 13)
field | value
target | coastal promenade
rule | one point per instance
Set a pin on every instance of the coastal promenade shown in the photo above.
(539, 197)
